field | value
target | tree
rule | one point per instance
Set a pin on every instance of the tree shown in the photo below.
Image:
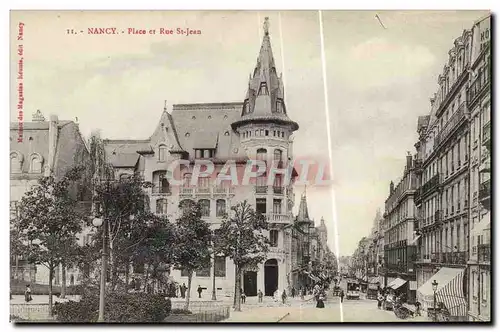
(49, 223)
(241, 238)
(193, 243)
(156, 250)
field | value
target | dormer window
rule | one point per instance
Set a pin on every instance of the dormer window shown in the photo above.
(204, 153)
(246, 109)
(162, 153)
(263, 89)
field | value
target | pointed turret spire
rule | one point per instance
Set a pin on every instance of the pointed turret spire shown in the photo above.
(264, 98)
(303, 213)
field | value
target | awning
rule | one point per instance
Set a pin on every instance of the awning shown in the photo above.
(449, 291)
(415, 240)
(483, 224)
(312, 276)
(374, 280)
(398, 282)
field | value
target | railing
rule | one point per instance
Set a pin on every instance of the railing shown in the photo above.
(203, 190)
(278, 190)
(278, 218)
(160, 190)
(261, 189)
(430, 185)
(483, 253)
(487, 132)
(452, 123)
(186, 191)
(453, 257)
(438, 216)
(484, 189)
(478, 85)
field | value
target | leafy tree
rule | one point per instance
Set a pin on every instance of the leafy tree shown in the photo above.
(193, 243)
(123, 204)
(49, 223)
(241, 238)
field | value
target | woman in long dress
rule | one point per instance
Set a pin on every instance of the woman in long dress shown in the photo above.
(320, 303)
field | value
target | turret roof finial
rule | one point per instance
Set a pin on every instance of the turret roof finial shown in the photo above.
(266, 26)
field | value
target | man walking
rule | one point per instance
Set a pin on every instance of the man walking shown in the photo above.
(199, 291)
(183, 290)
(283, 296)
(341, 296)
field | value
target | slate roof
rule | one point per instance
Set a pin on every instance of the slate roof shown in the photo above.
(123, 153)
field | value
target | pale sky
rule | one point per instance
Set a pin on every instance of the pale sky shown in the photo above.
(379, 81)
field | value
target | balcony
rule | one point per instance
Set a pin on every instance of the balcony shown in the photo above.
(483, 253)
(261, 189)
(279, 218)
(278, 190)
(203, 190)
(430, 185)
(161, 191)
(186, 191)
(455, 120)
(453, 258)
(487, 134)
(438, 216)
(484, 193)
(479, 86)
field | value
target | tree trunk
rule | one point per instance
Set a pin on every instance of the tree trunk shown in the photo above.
(63, 280)
(235, 285)
(190, 277)
(126, 277)
(51, 275)
(16, 270)
(238, 288)
(112, 263)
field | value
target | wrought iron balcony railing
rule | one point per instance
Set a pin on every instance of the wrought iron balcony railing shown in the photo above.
(483, 253)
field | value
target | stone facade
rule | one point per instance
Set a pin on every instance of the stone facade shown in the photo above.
(48, 147)
(479, 105)
(257, 128)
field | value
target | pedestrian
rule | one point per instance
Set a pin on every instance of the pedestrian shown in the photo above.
(320, 302)
(199, 291)
(260, 295)
(27, 294)
(380, 299)
(293, 291)
(243, 296)
(341, 295)
(183, 290)
(417, 309)
(283, 296)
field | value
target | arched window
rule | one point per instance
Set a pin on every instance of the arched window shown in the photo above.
(221, 207)
(162, 153)
(261, 154)
(36, 163)
(184, 204)
(161, 206)
(278, 155)
(124, 177)
(16, 162)
(186, 180)
(205, 207)
(160, 182)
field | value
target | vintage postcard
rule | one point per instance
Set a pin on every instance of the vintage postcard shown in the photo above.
(250, 166)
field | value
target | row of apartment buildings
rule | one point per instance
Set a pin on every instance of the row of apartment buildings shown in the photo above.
(257, 128)
(436, 223)
(436, 220)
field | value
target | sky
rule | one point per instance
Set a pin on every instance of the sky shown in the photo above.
(379, 81)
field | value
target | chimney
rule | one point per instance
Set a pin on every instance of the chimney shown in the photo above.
(53, 135)
(409, 161)
(391, 188)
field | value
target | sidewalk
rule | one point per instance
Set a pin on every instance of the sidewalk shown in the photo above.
(42, 299)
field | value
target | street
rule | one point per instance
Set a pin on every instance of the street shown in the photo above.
(360, 311)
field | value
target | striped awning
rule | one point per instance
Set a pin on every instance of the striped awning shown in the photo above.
(396, 283)
(449, 291)
(312, 276)
(374, 280)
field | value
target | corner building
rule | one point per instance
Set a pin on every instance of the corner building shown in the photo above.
(258, 128)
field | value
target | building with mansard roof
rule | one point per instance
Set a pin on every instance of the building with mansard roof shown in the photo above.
(45, 148)
(256, 128)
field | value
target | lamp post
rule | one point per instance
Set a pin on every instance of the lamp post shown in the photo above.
(434, 288)
(214, 296)
(97, 222)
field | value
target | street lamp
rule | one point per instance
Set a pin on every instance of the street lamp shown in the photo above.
(434, 288)
(97, 222)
